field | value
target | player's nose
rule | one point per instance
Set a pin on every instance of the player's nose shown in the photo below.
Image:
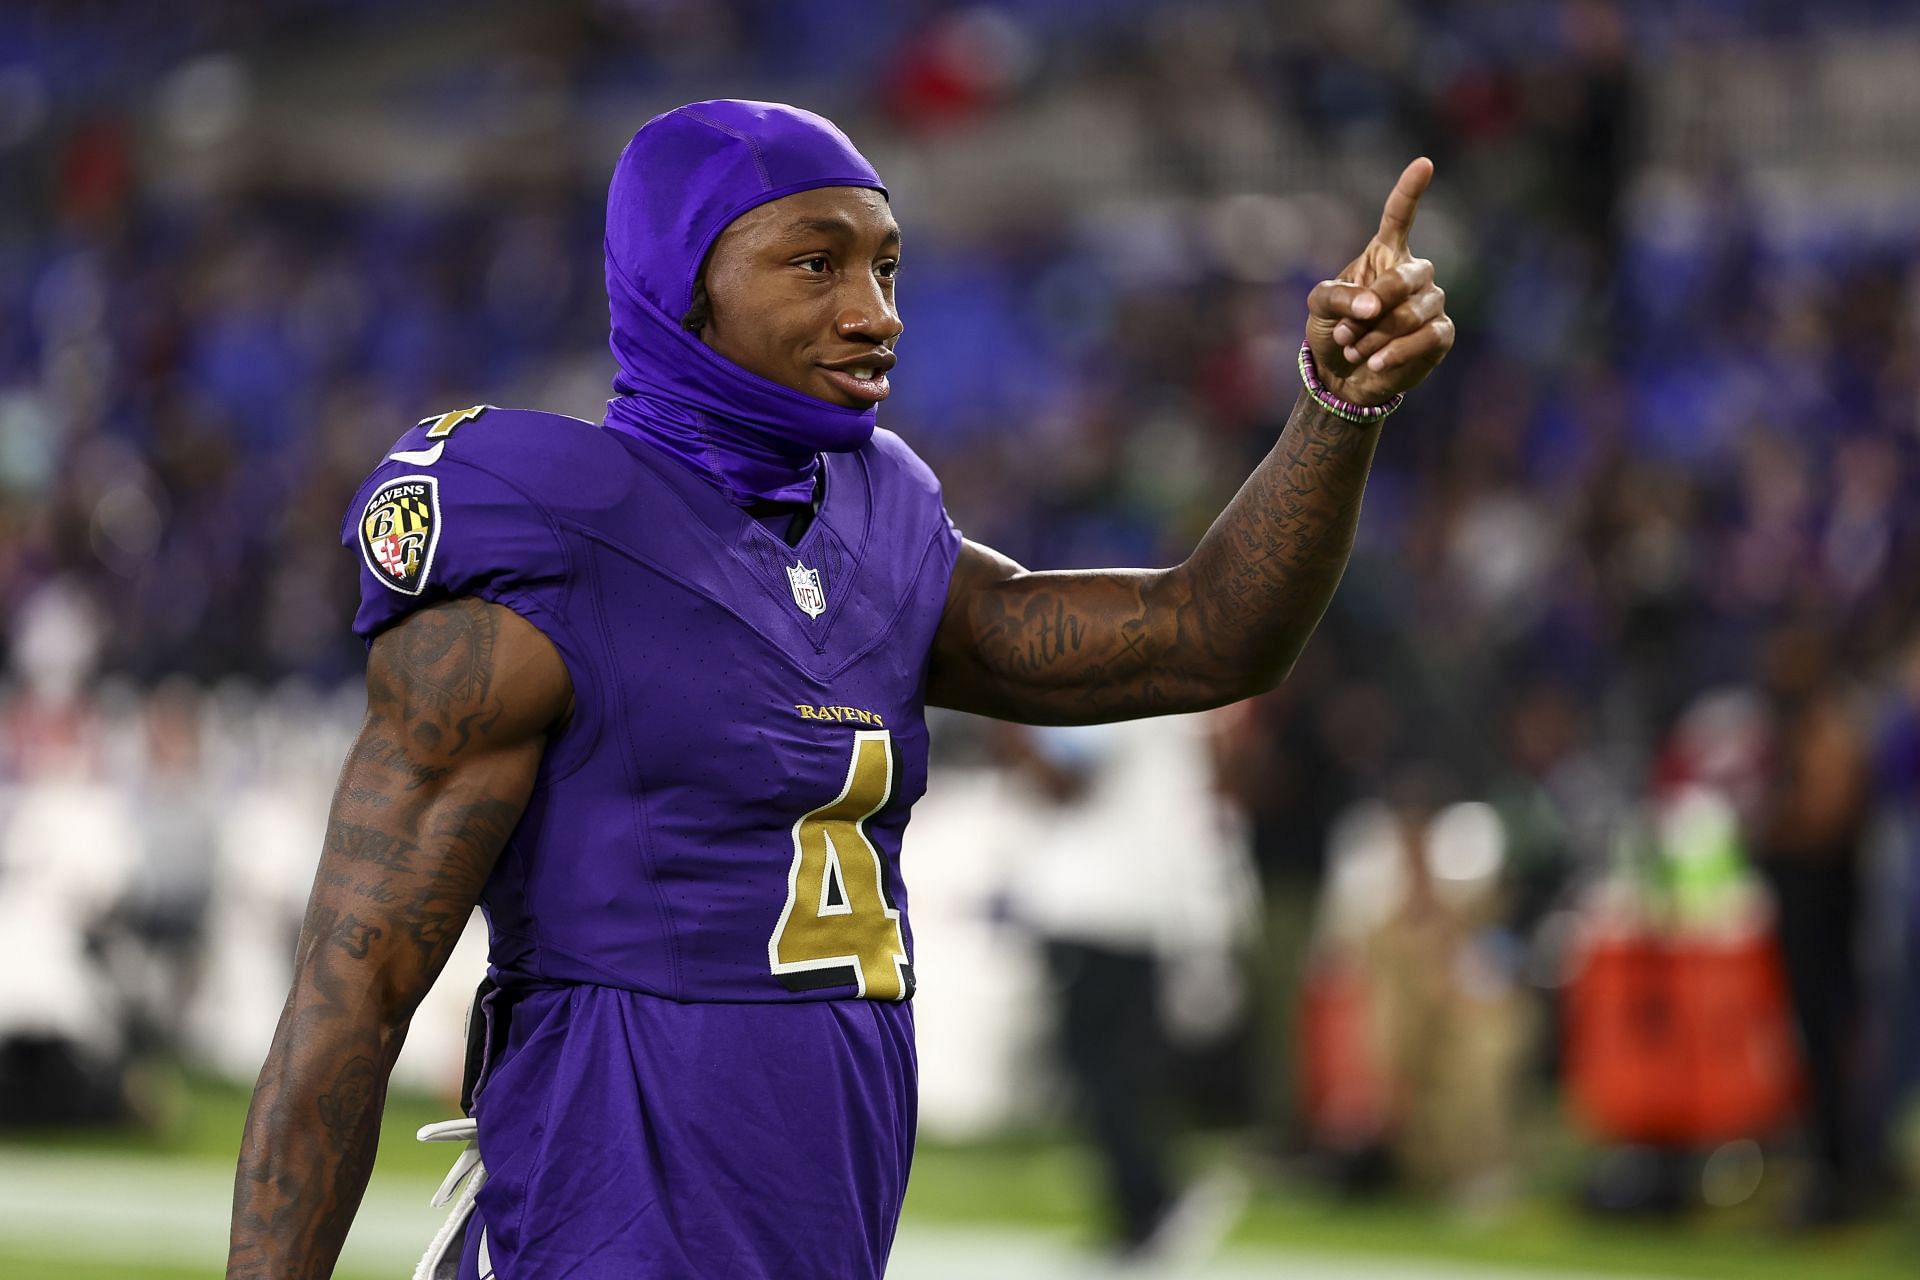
(870, 316)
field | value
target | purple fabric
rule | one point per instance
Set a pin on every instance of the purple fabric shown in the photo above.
(685, 176)
(628, 1136)
(655, 849)
(668, 1102)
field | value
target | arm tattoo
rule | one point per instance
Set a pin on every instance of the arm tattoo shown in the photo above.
(1227, 623)
(374, 749)
(446, 661)
(1263, 575)
(429, 796)
(1044, 635)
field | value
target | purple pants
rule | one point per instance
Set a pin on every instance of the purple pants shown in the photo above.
(634, 1137)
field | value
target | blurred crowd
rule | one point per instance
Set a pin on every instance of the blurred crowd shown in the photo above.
(1643, 538)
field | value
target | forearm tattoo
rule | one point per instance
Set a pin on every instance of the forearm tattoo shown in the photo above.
(1263, 574)
(427, 799)
(1229, 622)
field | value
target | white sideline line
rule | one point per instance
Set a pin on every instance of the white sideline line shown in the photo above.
(80, 1206)
(168, 1211)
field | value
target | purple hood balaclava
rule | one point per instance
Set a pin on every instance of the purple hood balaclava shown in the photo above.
(683, 178)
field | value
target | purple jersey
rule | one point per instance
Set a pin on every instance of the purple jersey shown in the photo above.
(717, 828)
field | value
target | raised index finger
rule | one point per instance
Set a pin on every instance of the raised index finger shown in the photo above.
(1396, 220)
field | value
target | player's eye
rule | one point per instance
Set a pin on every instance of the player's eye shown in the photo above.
(816, 263)
(887, 269)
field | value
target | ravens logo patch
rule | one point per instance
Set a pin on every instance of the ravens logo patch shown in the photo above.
(399, 531)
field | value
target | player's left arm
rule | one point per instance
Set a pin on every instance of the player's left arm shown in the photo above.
(1228, 622)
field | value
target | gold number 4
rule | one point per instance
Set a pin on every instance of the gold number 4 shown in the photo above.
(838, 926)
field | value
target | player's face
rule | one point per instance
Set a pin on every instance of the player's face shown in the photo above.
(802, 293)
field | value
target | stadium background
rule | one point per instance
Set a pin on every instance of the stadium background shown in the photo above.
(243, 246)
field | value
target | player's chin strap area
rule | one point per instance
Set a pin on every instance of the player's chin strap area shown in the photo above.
(463, 1183)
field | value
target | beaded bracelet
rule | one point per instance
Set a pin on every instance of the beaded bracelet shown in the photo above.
(1364, 415)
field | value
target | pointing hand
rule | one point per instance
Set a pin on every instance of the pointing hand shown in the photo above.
(1381, 325)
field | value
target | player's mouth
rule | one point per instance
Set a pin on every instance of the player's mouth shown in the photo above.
(862, 379)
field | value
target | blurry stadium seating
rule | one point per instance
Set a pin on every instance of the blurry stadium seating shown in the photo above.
(244, 246)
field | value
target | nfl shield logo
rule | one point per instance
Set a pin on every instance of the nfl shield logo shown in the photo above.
(806, 589)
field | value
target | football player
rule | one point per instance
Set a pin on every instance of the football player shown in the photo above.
(651, 691)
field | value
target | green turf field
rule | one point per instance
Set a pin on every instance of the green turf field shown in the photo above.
(153, 1207)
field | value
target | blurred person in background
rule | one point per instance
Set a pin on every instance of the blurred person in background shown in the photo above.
(1451, 1020)
(158, 930)
(1419, 1026)
(1810, 843)
(1275, 762)
(70, 844)
(529, 602)
(1897, 760)
(1297, 759)
(1136, 883)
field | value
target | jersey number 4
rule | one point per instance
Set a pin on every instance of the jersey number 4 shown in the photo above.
(839, 926)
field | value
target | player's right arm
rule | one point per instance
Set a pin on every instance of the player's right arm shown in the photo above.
(461, 700)
(1087, 646)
